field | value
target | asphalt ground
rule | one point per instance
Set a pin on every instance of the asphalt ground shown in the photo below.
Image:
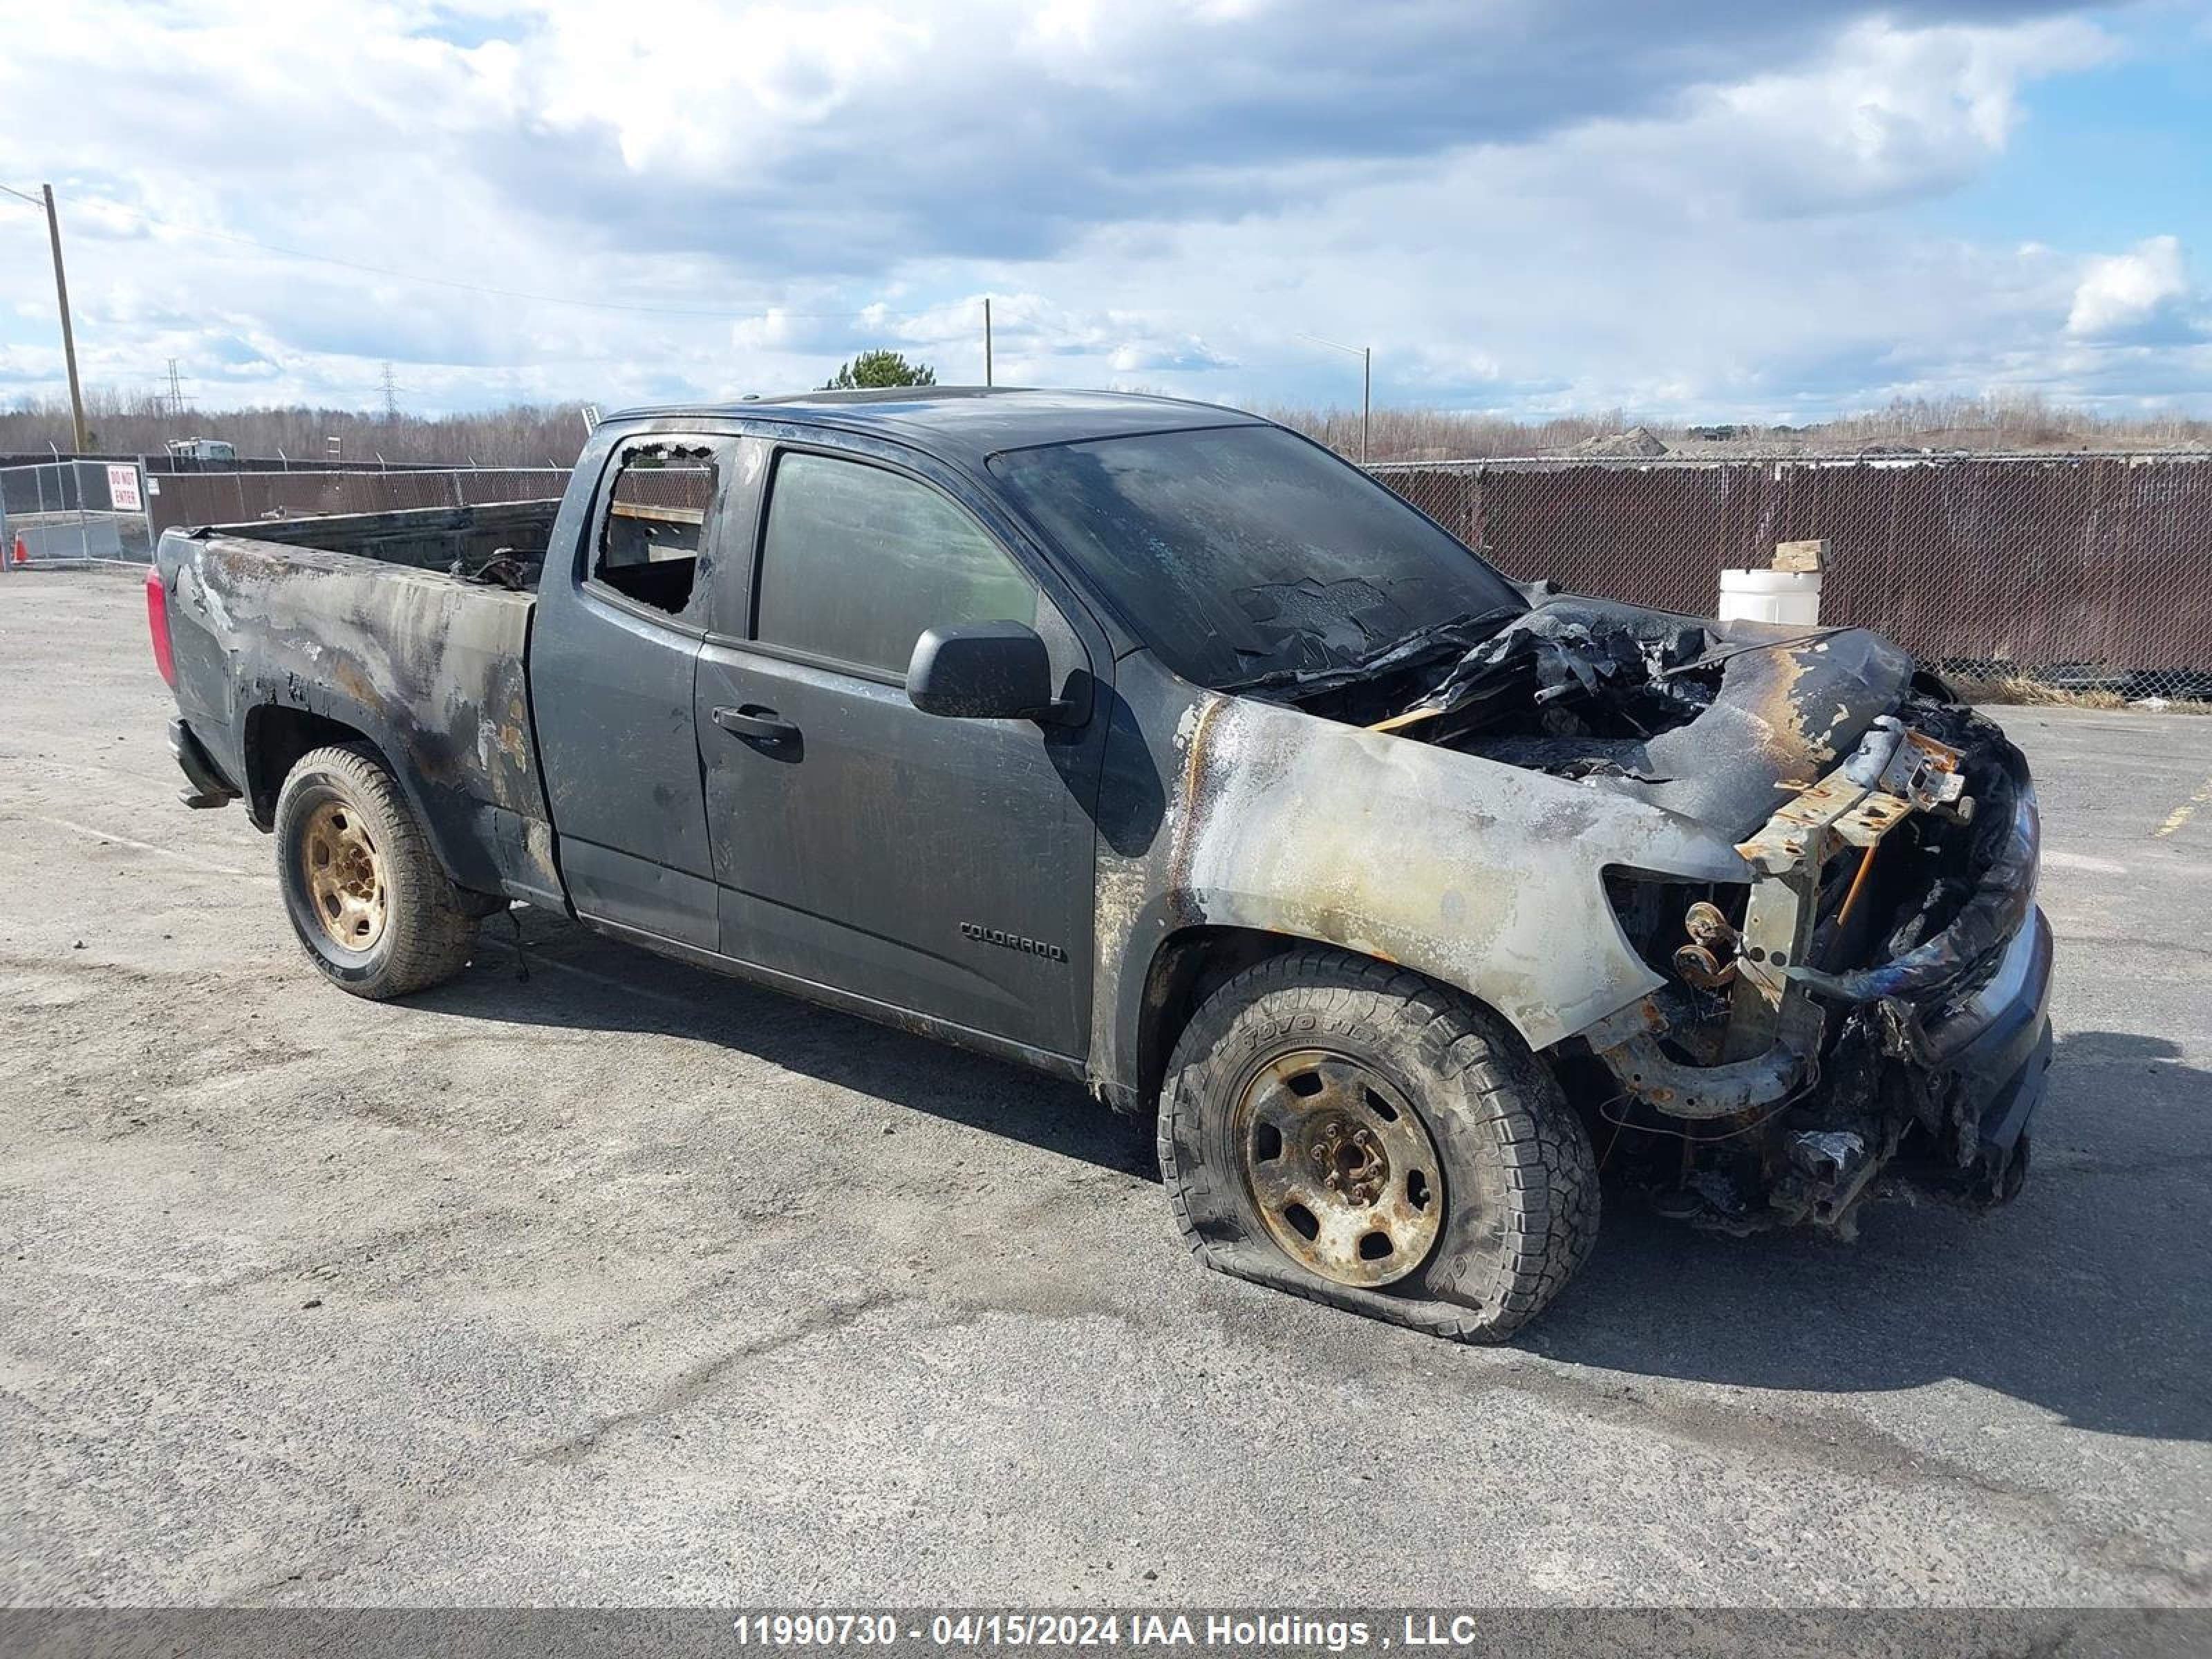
(622, 1284)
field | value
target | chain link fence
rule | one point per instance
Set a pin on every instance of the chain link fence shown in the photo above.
(72, 513)
(2084, 574)
(2088, 574)
(242, 497)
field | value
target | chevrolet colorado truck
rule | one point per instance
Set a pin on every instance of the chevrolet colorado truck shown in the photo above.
(1152, 746)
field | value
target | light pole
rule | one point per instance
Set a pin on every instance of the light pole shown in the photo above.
(61, 297)
(1366, 356)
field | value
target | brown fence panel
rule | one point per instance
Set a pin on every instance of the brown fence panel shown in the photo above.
(2087, 565)
(2090, 566)
(242, 497)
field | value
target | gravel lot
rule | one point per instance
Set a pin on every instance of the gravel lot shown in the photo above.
(622, 1284)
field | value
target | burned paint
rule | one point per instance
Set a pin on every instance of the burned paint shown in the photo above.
(1480, 874)
(427, 667)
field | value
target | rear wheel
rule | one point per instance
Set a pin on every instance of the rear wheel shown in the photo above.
(374, 909)
(1353, 1133)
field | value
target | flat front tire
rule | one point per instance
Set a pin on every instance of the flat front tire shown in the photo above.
(1348, 1131)
(371, 904)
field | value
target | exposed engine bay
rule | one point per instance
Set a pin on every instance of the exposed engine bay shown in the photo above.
(1814, 1026)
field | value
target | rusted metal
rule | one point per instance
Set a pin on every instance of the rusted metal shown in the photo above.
(1339, 1167)
(1698, 966)
(345, 876)
(1705, 925)
(1773, 1031)
(1678, 1088)
(1709, 960)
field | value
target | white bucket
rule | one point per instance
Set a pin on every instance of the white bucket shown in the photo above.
(1775, 596)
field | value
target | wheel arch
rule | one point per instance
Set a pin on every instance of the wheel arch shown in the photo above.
(278, 736)
(1184, 968)
(1190, 963)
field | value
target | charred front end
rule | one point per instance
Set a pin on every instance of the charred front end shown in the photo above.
(1867, 993)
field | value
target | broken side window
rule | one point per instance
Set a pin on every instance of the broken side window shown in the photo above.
(656, 518)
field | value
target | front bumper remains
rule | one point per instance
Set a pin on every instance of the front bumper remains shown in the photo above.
(1933, 1058)
(1994, 1049)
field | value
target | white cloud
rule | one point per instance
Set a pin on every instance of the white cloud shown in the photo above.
(2144, 291)
(1732, 211)
(1889, 112)
(701, 88)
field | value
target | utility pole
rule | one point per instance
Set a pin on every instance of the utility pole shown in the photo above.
(45, 199)
(69, 334)
(391, 394)
(987, 340)
(1366, 356)
(1366, 396)
(176, 392)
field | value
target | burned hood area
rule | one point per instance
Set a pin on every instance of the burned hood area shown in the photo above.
(1717, 722)
(1830, 1017)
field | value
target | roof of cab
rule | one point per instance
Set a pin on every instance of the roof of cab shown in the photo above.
(972, 423)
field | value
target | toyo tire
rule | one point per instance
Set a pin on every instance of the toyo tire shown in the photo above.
(1351, 1133)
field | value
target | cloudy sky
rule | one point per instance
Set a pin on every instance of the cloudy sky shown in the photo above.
(1729, 209)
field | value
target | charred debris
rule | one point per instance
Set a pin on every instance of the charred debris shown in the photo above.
(1578, 688)
(1569, 686)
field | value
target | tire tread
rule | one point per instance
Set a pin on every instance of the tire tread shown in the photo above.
(1540, 1143)
(433, 931)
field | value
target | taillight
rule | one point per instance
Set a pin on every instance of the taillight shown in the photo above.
(157, 624)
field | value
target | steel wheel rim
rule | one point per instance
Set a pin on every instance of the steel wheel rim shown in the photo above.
(1339, 1168)
(343, 873)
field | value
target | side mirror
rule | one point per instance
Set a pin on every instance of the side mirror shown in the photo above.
(994, 671)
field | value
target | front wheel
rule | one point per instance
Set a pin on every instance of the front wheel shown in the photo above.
(1353, 1133)
(368, 899)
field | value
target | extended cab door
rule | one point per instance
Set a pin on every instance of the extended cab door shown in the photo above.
(939, 866)
(613, 655)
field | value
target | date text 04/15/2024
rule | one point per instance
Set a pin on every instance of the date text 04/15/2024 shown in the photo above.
(1104, 1630)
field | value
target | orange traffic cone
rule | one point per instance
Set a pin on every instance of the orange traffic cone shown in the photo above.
(22, 553)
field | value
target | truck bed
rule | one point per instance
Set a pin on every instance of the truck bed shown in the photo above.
(293, 631)
(427, 538)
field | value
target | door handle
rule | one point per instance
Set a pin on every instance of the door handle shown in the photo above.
(760, 724)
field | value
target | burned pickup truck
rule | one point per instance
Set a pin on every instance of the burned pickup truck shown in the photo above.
(1151, 746)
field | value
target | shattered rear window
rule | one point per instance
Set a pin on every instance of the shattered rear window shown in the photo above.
(1243, 551)
(656, 514)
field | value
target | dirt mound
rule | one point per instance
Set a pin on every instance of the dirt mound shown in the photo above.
(1637, 440)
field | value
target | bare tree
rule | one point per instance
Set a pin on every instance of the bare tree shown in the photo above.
(533, 434)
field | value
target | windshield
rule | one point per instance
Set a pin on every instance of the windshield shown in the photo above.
(1239, 552)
